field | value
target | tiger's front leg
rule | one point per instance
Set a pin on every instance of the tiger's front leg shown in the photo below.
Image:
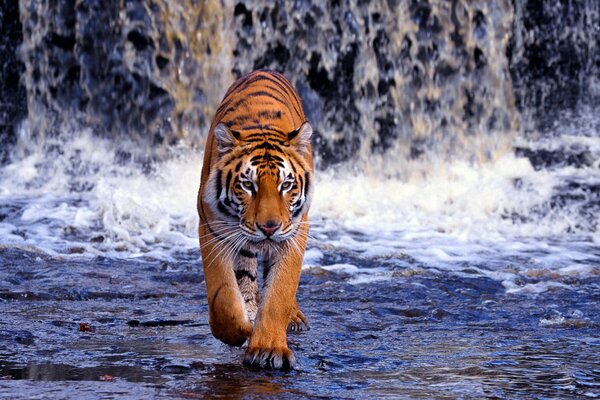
(228, 319)
(267, 346)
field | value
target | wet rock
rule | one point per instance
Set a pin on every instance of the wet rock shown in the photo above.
(158, 322)
(554, 57)
(175, 369)
(21, 336)
(13, 99)
(136, 71)
(543, 158)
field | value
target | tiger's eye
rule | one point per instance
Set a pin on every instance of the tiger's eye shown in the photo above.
(286, 185)
(248, 185)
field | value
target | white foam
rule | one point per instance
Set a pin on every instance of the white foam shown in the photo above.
(133, 213)
(312, 257)
(344, 268)
(533, 288)
(573, 318)
(357, 274)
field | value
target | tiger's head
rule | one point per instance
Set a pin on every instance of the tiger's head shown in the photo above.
(261, 187)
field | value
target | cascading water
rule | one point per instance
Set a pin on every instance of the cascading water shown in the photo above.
(458, 154)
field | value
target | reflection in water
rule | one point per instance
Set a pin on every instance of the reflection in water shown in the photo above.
(235, 382)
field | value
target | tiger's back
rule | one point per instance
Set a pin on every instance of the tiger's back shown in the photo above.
(253, 202)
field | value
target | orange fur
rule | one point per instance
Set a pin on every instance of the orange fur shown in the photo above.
(253, 202)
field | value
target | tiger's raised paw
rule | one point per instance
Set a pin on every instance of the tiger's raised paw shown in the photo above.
(270, 358)
(298, 322)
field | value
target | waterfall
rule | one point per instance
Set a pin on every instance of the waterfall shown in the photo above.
(404, 79)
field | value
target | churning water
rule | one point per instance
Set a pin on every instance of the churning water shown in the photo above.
(440, 265)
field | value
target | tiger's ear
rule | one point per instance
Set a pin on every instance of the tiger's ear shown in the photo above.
(300, 138)
(226, 139)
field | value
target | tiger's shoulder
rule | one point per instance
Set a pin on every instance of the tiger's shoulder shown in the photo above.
(262, 101)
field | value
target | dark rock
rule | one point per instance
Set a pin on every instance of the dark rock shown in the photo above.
(13, 99)
(554, 57)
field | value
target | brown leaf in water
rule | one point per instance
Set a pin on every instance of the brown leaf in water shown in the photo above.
(85, 327)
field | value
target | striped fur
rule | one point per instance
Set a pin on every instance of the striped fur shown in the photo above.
(256, 189)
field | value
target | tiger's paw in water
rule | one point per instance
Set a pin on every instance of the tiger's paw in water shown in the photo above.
(298, 322)
(270, 358)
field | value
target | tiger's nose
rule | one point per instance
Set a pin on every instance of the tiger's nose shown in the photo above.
(270, 227)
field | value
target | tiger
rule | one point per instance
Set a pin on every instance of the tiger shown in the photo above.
(255, 193)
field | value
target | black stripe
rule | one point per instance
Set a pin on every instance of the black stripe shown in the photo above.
(293, 133)
(240, 82)
(264, 136)
(262, 93)
(228, 182)
(223, 105)
(224, 210)
(269, 146)
(270, 114)
(266, 270)
(248, 254)
(281, 78)
(283, 93)
(297, 212)
(301, 181)
(260, 138)
(293, 158)
(262, 128)
(293, 166)
(241, 273)
(239, 120)
(307, 185)
(219, 184)
(250, 81)
(233, 107)
(271, 78)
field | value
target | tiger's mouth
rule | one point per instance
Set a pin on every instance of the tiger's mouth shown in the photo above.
(268, 240)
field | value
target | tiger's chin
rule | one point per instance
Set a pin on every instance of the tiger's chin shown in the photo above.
(269, 243)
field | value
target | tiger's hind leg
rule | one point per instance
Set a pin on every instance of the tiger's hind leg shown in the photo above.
(298, 321)
(246, 265)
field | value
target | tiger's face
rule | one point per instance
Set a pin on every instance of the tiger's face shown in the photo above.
(261, 189)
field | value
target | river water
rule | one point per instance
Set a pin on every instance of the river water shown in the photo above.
(465, 273)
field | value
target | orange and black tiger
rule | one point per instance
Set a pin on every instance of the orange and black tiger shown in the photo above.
(255, 192)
